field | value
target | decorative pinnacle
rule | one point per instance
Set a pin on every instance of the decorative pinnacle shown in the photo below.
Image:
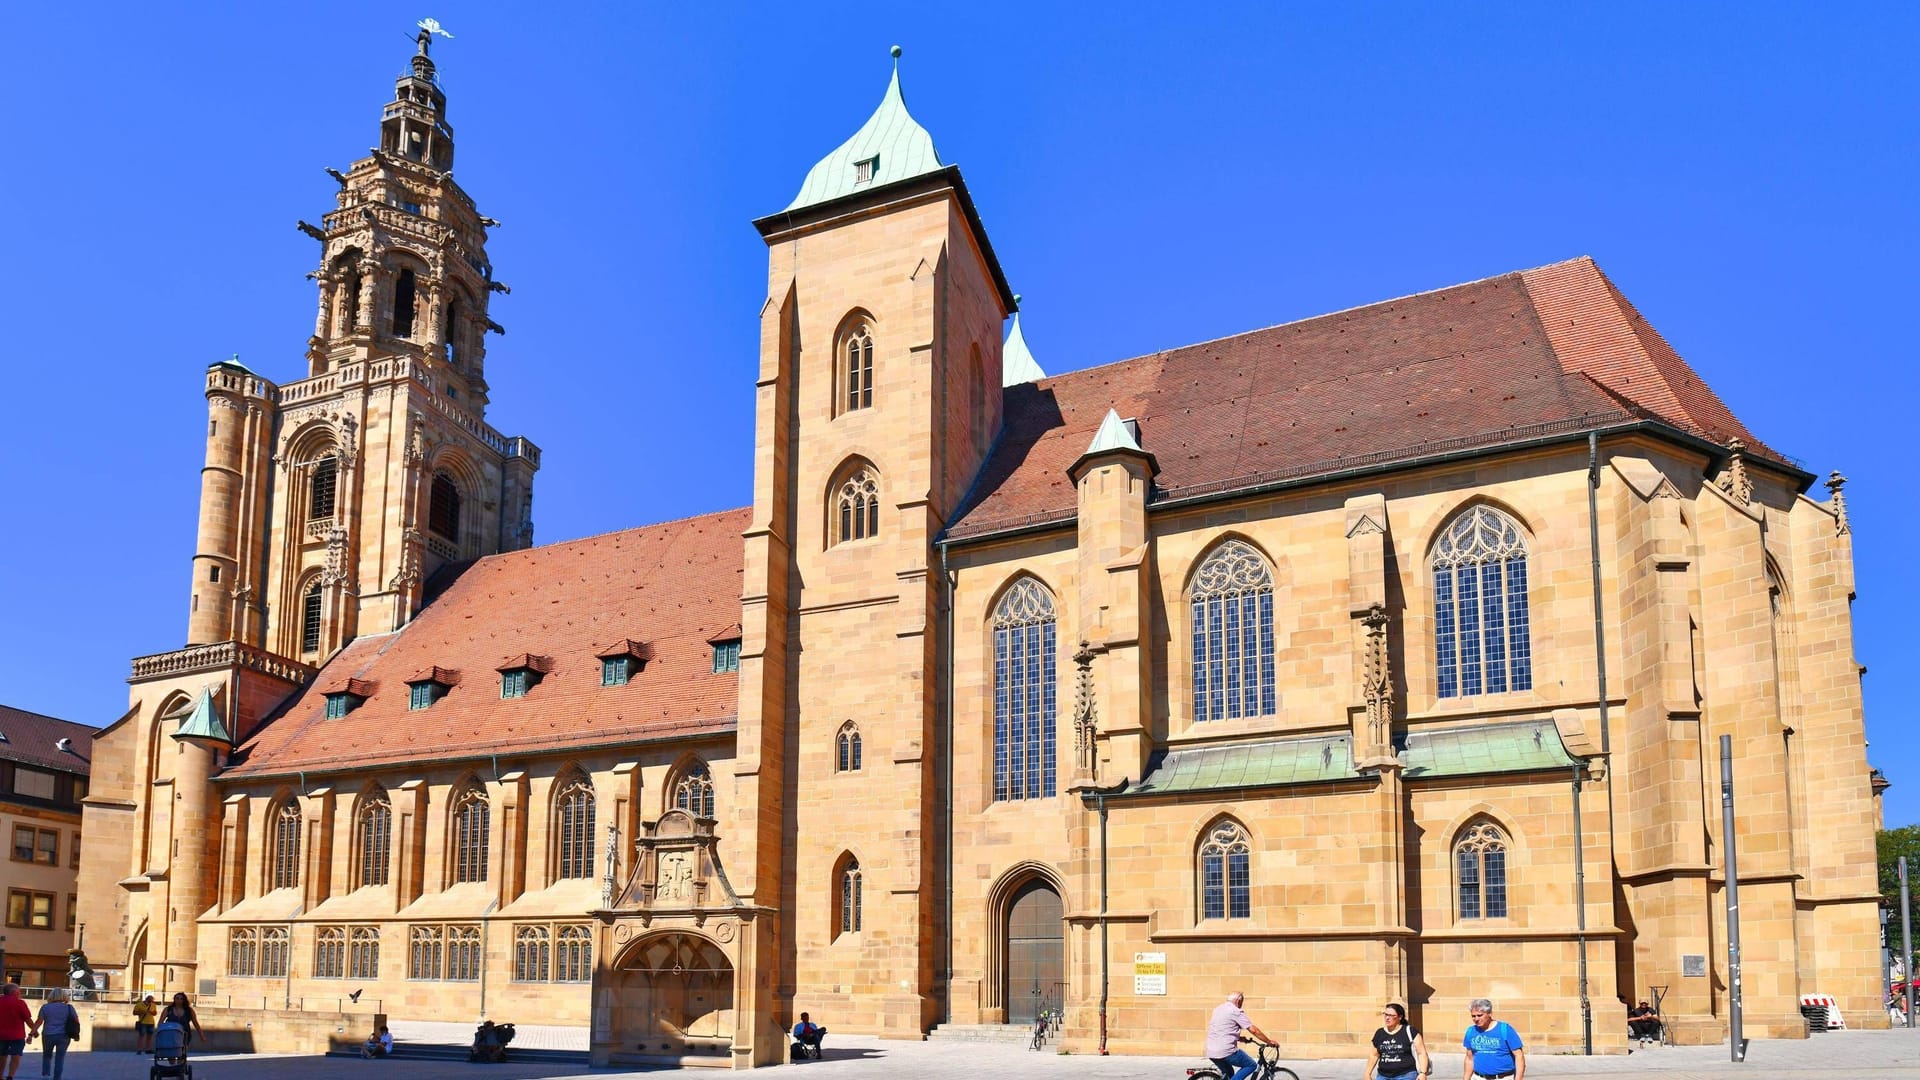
(1016, 301)
(895, 52)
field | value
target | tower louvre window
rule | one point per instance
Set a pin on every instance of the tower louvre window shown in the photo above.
(443, 507)
(865, 170)
(403, 290)
(310, 619)
(320, 497)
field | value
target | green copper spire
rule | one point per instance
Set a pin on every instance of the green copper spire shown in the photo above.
(1113, 435)
(888, 148)
(204, 723)
(1017, 364)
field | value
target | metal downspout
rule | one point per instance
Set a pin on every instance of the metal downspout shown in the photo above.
(1600, 668)
(1098, 797)
(1580, 909)
(946, 777)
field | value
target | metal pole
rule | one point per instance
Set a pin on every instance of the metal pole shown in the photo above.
(1580, 908)
(1906, 938)
(1736, 1041)
(1103, 924)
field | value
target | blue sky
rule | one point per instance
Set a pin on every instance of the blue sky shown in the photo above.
(1746, 173)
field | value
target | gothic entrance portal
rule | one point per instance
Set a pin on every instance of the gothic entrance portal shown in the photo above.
(673, 999)
(1036, 953)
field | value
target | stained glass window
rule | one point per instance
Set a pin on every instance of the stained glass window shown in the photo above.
(1481, 643)
(1024, 693)
(1231, 607)
(1480, 865)
(1226, 873)
(574, 821)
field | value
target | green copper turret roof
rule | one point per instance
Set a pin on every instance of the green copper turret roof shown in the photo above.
(1017, 364)
(204, 723)
(891, 144)
(1113, 435)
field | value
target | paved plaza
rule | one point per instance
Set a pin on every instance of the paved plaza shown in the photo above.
(1838, 1054)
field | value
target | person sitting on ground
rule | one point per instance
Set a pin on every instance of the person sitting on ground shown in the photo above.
(379, 1044)
(1643, 1022)
(806, 1038)
(144, 1011)
(489, 1043)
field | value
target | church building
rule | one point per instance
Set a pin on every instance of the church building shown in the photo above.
(1380, 656)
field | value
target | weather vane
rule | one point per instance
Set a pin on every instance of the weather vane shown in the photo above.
(432, 26)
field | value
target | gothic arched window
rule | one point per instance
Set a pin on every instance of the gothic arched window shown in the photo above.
(463, 953)
(310, 618)
(274, 947)
(1231, 604)
(1226, 876)
(363, 953)
(455, 312)
(285, 846)
(470, 835)
(573, 955)
(693, 792)
(330, 953)
(243, 948)
(573, 827)
(1480, 871)
(857, 367)
(846, 748)
(847, 903)
(374, 833)
(532, 954)
(320, 491)
(1024, 693)
(857, 503)
(425, 946)
(1480, 636)
(443, 507)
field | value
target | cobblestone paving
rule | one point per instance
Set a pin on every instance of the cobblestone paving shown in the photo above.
(1893, 1055)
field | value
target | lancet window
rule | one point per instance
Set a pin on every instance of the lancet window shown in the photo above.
(857, 366)
(1231, 609)
(857, 502)
(573, 824)
(1226, 875)
(285, 847)
(1481, 642)
(1024, 693)
(693, 792)
(471, 814)
(1480, 871)
(374, 833)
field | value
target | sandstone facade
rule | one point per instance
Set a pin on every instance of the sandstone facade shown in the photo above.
(1381, 656)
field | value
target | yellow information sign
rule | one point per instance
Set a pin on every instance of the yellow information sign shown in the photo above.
(1150, 973)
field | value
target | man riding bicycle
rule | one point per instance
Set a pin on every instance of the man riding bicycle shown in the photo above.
(1225, 1030)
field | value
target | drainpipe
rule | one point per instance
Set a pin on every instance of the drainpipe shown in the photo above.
(1580, 908)
(1099, 800)
(946, 773)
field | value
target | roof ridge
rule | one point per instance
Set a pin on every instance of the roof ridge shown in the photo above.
(603, 535)
(1310, 318)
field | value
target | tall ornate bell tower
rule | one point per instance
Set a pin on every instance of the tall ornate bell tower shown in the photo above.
(327, 502)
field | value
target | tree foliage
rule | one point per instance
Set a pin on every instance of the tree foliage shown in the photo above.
(1893, 843)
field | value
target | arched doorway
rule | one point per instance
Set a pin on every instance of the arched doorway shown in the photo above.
(1036, 953)
(673, 998)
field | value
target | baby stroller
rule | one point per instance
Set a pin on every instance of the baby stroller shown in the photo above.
(170, 1053)
(489, 1043)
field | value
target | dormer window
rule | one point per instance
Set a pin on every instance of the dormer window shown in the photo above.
(622, 660)
(726, 656)
(346, 697)
(429, 686)
(521, 673)
(864, 171)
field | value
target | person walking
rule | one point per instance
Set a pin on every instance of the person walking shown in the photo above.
(1494, 1049)
(144, 1012)
(1228, 1025)
(1399, 1053)
(59, 1026)
(15, 1018)
(180, 1011)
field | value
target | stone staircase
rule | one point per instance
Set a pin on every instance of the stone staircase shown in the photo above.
(1002, 1034)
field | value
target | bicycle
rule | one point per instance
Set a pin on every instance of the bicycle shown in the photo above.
(1267, 1068)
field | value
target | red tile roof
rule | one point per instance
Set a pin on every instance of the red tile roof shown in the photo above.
(33, 739)
(671, 585)
(1514, 357)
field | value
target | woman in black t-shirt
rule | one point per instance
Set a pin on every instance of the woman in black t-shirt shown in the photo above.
(1399, 1053)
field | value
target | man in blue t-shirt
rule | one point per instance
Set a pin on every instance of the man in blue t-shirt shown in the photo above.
(1494, 1050)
